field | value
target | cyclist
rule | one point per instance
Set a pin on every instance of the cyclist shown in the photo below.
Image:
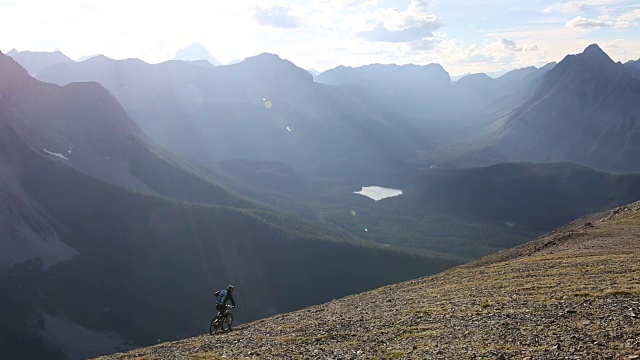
(222, 296)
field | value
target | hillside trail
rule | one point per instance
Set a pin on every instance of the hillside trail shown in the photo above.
(571, 294)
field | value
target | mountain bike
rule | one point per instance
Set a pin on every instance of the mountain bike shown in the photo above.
(222, 321)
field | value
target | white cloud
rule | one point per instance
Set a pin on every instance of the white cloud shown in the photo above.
(583, 22)
(276, 16)
(629, 19)
(571, 7)
(415, 23)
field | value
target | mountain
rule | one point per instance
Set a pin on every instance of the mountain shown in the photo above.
(35, 62)
(264, 108)
(583, 111)
(91, 264)
(404, 89)
(634, 66)
(517, 74)
(532, 196)
(572, 293)
(99, 138)
(195, 52)
(478, 89)
(441, 110)
(632, 63)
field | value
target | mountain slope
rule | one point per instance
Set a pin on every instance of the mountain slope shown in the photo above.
(584, 111)
(82, 125)
(88, 262)
(571, 294)
(34, 62)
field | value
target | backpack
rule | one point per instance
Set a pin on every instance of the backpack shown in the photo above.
(222, 294)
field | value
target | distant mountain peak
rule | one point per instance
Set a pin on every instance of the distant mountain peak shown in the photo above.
(36, 61)
(595, 53)
(272, 64)
(196, 51)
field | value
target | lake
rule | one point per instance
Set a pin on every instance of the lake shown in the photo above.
(378, 193)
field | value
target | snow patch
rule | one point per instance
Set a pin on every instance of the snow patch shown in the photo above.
(56, 154)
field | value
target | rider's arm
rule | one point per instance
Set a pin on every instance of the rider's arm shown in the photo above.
(231, 298)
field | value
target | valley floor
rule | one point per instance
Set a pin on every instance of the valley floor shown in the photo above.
(572, 294)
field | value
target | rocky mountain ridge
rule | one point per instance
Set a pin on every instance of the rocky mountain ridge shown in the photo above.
(573, 293)
(584, 111)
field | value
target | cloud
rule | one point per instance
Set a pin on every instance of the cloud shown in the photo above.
(499, 51)
(571, 7)
(276, 16)
(510, 45)
(629, 19)
(413, 33)
(394, 25)
(424, 44)
(583, 22)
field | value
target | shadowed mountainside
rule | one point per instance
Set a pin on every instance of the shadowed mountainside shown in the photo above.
(574, 293)
(84, 126)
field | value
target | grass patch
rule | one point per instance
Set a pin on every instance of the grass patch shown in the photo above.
(428, 333)
(206, 356)
(393, 355)
(614, 292)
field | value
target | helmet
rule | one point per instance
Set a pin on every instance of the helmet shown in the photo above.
(230, 288)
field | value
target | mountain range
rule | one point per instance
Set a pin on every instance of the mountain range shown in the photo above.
(34, 62)
(131, 191)
(102, 231)
(263, 108)
(583, 111)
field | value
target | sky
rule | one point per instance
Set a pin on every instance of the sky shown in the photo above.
(491, 36)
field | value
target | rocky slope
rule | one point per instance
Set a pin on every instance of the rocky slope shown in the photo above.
(572, 294)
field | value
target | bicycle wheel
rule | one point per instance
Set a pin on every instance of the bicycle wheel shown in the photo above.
(226, 322)
(214, 325)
